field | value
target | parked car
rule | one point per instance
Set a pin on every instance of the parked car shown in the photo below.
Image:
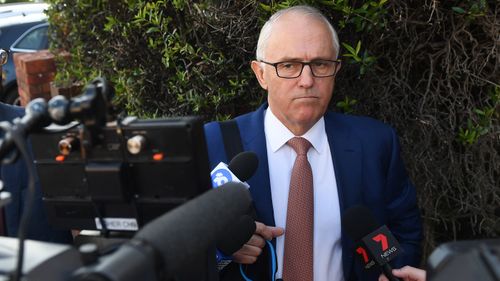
(21, 8)
(16, 21)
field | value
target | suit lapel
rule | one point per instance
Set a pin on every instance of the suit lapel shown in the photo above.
(347, 161)
(253, 138)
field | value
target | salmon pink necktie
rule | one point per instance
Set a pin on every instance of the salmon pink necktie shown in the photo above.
(298, 253)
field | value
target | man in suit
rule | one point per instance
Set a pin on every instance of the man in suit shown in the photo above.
(354, 160)
(15, 181)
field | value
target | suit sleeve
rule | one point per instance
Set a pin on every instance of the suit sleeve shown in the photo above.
(402, 212)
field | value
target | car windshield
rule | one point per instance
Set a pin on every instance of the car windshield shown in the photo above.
(9, 34)
(35, 39)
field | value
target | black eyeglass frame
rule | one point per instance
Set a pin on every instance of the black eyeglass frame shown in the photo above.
(304, 63)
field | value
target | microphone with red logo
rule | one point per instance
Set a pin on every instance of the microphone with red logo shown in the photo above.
(375, 244)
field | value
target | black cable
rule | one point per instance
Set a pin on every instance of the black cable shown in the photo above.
(104, 228)
(22, 147)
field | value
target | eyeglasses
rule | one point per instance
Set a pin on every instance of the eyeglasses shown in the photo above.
(293, 69)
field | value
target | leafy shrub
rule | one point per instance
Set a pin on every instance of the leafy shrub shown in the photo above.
(429, 68)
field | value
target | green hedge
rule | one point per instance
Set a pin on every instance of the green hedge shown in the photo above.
(429, 68)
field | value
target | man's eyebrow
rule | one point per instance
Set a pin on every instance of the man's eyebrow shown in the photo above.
(285, 59)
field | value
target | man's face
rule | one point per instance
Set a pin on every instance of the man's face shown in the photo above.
(299, 102)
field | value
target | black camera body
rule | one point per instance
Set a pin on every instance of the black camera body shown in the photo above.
(123, 175)
(465, 260)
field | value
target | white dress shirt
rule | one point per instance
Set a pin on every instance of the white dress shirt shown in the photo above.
(327, 232)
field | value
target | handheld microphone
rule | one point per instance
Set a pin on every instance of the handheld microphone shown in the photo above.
(375, 245)
(244, 165)
(240, 169)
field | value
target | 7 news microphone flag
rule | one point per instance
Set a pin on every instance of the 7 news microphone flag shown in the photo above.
(375, 245)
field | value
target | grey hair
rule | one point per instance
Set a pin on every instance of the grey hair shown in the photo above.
(266, 30)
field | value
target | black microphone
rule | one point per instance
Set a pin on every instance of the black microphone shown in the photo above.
(166, 245)
(237, 235)
(36, 117)
(240, 169)
(243, 166)
(375, 244)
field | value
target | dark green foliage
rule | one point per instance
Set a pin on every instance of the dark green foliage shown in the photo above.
(429, 68)
(437, 79)
(164, 57)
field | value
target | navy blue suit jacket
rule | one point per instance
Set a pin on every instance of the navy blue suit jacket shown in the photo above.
(368, 170)
(15, 179)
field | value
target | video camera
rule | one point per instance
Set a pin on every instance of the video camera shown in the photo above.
(121, 175)
(116, 175)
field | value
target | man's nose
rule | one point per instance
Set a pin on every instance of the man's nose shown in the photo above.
(306, 78)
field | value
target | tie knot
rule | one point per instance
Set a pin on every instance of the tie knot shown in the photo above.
(300, 145)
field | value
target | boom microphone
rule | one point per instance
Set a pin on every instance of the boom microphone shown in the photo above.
(166, 245)
(374, 244)
(240, 232)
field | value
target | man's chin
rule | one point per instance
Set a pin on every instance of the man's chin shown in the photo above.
(307, 119)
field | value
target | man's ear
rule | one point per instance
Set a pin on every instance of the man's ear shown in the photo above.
(259, 73)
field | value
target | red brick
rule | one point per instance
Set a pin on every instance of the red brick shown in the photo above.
(40, 78)
(19, 71)
(46, 89)
(19, 62)
(34, 73)
(33, 91)
(34, 63)
(16, 57)
(36, 79)
(36, 91)
(22, 85)
(23, 96)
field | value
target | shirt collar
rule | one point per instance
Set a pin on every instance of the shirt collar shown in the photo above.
(277, 134)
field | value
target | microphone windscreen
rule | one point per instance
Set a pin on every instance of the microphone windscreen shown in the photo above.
(244, 165)
(358, 221)
(193, 227)
(231, 241)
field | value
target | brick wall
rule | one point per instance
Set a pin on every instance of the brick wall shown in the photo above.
(34, 73)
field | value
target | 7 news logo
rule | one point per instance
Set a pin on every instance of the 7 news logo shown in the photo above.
(364, 255)
(379, 247)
